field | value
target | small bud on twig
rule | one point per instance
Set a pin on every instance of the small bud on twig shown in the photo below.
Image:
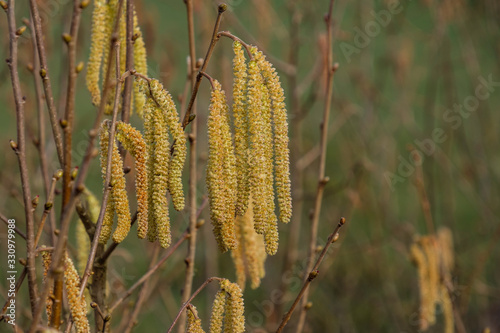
(30, 67)
(43, 73)
(74, 173)
(67, 38)
(4, 5)
(63, 123)
(35, 201)
(58, 174)
(20, 31)
(84, 4)
(13, 145)
(79, 67)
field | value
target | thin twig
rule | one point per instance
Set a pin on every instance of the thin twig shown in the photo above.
(190, 258)
(236, 39)
(322, 180)
(20, 150)
(191, 299)
(44, 74)
(312, 274)
(48, 205)
(150, 272)
(221, 9)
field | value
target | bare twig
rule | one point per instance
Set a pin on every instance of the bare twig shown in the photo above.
(20, 150)
(188, 281)
(150, 272)
(48, 205)
(312, 274)
(322, 180)
(221, 9)
(44, 73)
(184, 305)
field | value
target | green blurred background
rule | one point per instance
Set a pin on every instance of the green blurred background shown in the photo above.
(401, 74)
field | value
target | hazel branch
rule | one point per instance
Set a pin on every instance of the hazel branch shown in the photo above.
(221, 9)
(312, 274)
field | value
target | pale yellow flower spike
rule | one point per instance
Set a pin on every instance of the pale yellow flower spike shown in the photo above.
(98, 42)
(160, 179)
(430, 250)
(221, 174)
(254, 250)
(82, 245)
(193, 321)
(258, 149)
(281, 150)
(164, 100)
(107, 224)
(77, 305)
(141, 66)
(46, 261)
(149, 131)
(133, 141)
(237, 254)
(420, 261)
(112, 9)
(216, 319)
(240, 128)
(235, 319)
(447, 307)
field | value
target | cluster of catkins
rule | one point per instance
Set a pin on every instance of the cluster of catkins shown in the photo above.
(72, 283)
(258, 161)
(433, 257)
(103, 21)
(158, 168)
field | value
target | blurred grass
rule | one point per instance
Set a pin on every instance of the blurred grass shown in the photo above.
(393, 92)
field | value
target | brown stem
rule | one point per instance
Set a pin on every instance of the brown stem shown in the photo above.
(129, 65)
(48, 206)
(150, 272)
(236, 39)
(312, 274)
(322, 180)
(44, 73)
(20, 150)
(190, 299)
(221, 9)
(142, 295)
(190, 258)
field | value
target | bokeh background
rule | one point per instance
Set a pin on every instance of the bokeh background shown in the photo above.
(407, 70)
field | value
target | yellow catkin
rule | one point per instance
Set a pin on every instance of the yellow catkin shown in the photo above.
(281, 150)
(429, 247)
(193, 321)
(166, 104)
(140, 65)
(445, 241)
(221, 173)
(149, 131)
(77, 304)
(249, 257)
(133, 141)
(107, 224)
(98, 42)
(258, 149)
(93, 205)
(46, 261)
(240, 128)
(447, 307)
(82, 245)
(156, 136)
(112, 9)
(419, 258)
(234, 321)
(217, 317)
(118, 194)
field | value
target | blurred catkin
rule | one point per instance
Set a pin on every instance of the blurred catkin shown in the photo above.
(46, 261)
(98, 43)
(240, 128)
(133, 141)
(77, 304)
(281, 150)
(171, 119)
(418, 257)
(221, 173)
(193, 321)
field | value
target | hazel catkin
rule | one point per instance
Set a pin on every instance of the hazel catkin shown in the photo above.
(98, 43)
(77, 304)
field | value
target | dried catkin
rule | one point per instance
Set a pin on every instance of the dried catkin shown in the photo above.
(193, 321)
(46, 261)
(221, 173)
(133, 141)
(77, 304)
(234, 321)
(140, 65)
(166, 104)
(97, 44)
(216, 319)
(281, 150)
(240, 128)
